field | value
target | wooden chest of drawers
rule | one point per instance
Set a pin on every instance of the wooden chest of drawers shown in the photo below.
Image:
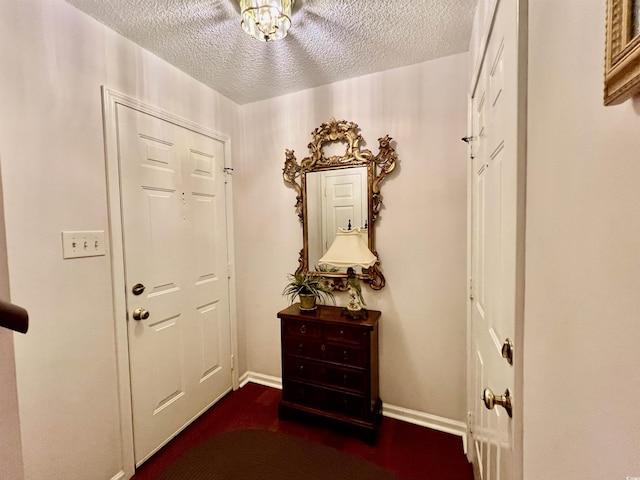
(330, 367)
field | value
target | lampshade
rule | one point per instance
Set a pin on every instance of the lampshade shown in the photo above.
(348, 250)
(266, 19)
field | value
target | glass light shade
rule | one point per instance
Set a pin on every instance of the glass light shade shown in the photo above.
(266, 19)
(348, 250)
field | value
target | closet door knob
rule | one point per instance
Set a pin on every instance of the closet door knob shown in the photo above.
(490, 400)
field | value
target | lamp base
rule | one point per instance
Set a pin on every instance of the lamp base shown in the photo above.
(355, 314)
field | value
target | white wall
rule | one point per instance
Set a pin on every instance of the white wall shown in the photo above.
(583, 267)
(10, 444)
(421, 230)
(582, 317)
(53, 61)
(10, 439)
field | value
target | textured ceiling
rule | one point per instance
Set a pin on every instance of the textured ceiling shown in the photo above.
(329, 41)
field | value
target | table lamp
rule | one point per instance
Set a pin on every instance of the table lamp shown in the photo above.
(349, 250)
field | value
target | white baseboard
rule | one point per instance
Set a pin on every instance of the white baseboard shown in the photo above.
(118, 476)
(261, 379)
(428, 420)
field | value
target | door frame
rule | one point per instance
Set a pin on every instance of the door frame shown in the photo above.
(477, 57)
(110, 101)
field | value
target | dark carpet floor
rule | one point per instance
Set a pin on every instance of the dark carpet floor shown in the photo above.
(262, 454)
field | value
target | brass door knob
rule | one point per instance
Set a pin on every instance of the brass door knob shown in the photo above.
(140, 314)
(490, 400)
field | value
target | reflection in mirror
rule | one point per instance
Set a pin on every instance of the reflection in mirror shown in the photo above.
(335, 199)
(337, 190)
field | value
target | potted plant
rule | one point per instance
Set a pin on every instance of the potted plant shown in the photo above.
(308, 288)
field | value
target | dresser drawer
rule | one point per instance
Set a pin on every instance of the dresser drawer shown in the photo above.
(346, 355)
(348, 404)
(352, 405)
(306, 370)
(303, 394)
(302, 328)
(303, 347)
(349, 379)
(344, 334)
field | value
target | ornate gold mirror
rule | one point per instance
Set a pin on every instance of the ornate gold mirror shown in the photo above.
(338, 191)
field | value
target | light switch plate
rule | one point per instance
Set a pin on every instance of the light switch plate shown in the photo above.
(83, 244)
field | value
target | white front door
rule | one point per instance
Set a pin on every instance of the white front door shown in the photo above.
(496, 213)
(177, 292)
(344, 191)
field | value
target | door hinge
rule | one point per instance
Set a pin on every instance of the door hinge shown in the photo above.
(233, 363)
(469, 141)
(470, 421)
(471, 289)
(228, 271)
(228, 171)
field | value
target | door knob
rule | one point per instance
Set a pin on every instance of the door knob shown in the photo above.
(140, 314)
(490, 400)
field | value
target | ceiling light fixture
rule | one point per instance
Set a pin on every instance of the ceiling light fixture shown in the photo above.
(266, 19)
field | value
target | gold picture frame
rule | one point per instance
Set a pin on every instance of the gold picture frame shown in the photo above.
(622, 53)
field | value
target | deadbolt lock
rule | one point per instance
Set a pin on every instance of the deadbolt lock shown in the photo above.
(137, 289)
(491, 400)
(507, 351)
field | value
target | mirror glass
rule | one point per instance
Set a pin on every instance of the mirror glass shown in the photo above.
(338, 186)
(335, 199)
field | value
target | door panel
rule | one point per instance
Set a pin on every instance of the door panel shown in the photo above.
(494, 242)
(343, 201)
(174, 236)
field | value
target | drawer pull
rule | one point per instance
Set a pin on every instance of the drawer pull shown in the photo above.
(342, 333)
(301, 368)
(301, 348)
(322, 347)
(345, 379)
(303, 329)
(345, 355)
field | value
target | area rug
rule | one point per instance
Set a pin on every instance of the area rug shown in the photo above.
(261, 454)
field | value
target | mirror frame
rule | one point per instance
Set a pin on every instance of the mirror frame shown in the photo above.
(378, 167)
